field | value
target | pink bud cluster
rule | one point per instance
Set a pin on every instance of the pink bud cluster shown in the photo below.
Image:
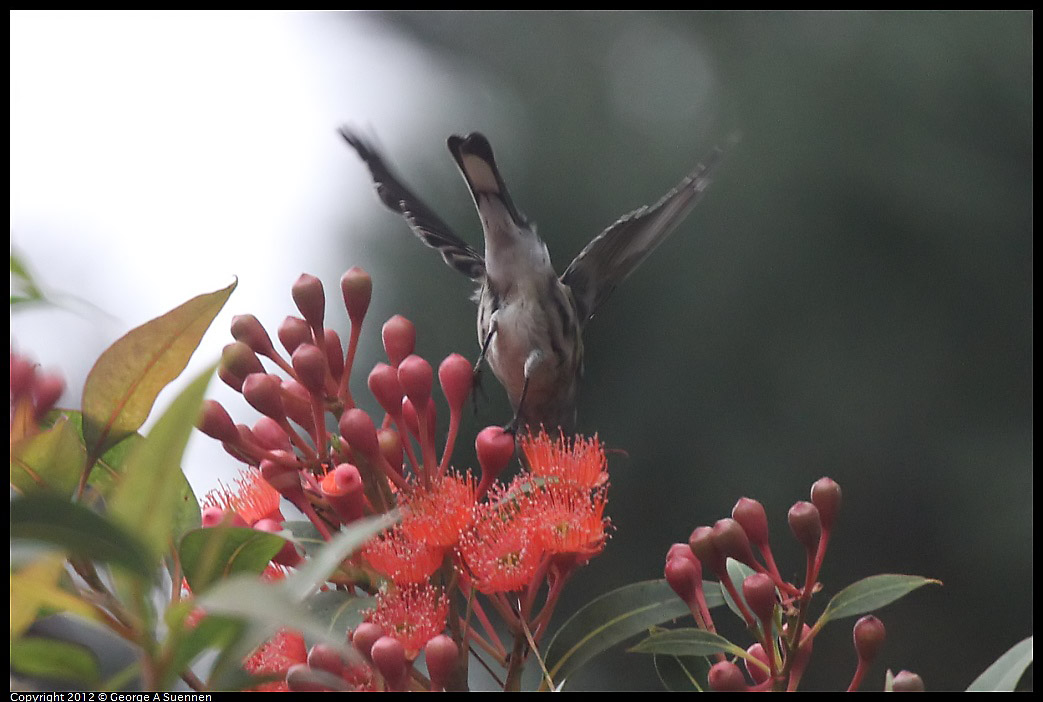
(334, 478)
(33, 394)
(779, 656)
(508, 543)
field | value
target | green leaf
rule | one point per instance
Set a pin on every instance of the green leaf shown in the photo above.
(686, 642)
(266, 607)
(152, 492)
(870, 594)
(1004, 674)
(681, 673)
(305, 535)
(737, 573)
(209, 632)
(51, 460)
(52, 659)
(341, 610)
(26, 289)
(110, 468)
(124, 382)
(209, 555)
(35, 586)
(73, 527)
(320, 565)
(613, 618)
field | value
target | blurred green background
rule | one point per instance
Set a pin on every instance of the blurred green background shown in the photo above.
(852, 298)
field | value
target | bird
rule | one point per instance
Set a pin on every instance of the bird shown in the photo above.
(530, 318)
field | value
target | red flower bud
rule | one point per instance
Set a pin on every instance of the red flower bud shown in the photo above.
(389, 657)
(456, 375)
(364, 636)
(442, 655)
(261, 390)
(301, 678)
(391, 447)
(342, 487)
(399, 337)
(310, 299)
(806, 525)
(23, 375)
(702, 545)
(358, 430)
(293, 332)
(334, 353)
(750, 514)
(357, 288)
(247, 329)
(825, 495)
(270, 435)
(383, 383)
(726, 677)
(758, 674)
(869, 635)
(240, 360)
(325, 657)
(731, 541)
(215, 422)
(46, 391)
(495, 449)
(684, 575)
(415, 376)
(310, 364)
(906, 681)
(759, 591)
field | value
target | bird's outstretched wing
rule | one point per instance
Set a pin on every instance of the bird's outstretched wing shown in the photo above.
(428, 226)
(614, 254)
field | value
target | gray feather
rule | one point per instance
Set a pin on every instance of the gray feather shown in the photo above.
(427, 226)
(614, 254)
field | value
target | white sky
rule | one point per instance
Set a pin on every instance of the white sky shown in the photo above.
(155, 155)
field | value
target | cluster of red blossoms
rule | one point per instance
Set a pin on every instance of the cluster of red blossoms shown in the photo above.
(33, 394)
(458, 535)
(779, 657)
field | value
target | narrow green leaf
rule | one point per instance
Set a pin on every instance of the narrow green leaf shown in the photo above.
(870, 594)
(1004, 674)
(36, 586)
(681, 673)
(613, 618)
(320, 565)
(110, 468)
(342, 611)
(686, 642)
(209, 555)
(737, 573)
(51, 460)
(152, 492)
(124, 382)
(305, 535)
(52, 659)
(78, 530)
(266, 607)
(26, 289)
(187, 643)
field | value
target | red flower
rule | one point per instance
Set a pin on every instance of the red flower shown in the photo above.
(569, 521)
(401, 558)
(413, 614)
(499, 552)
(578, 461)
(276, 656)
(254, 499)
(439, 514)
